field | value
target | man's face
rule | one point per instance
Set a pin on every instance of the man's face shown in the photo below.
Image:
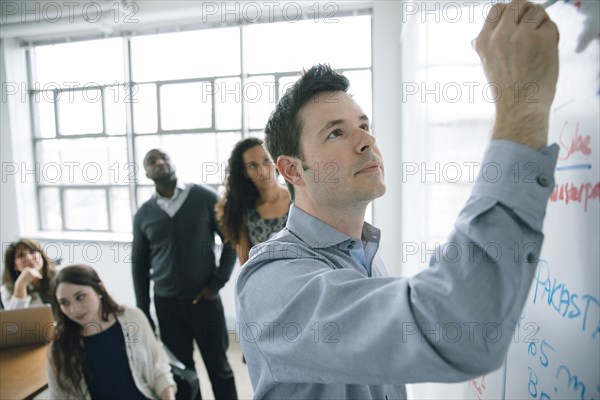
(158, 166)
(342, 163)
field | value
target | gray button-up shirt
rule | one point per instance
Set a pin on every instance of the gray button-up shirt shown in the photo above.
(314, 325)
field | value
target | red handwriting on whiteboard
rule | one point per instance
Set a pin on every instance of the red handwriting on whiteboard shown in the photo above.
(478, 386)
(570, 193)
(574, 143)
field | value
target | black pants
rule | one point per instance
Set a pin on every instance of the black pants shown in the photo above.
(181, 322)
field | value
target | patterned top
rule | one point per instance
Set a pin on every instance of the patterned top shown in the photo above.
(261, 229)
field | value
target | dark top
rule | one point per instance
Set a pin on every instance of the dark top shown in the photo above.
(178, 252)
(111, 376)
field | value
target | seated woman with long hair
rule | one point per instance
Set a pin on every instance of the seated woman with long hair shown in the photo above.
(255, 205)
(102, 350)
(27, 276)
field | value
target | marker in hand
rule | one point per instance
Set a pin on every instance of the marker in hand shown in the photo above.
(545, 5)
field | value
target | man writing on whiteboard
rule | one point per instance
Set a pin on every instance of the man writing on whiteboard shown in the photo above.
(319, 316)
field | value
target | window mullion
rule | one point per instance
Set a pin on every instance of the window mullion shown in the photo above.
(158, 117)
(108, 208)
(243, 81)
(103, 108)
(128, 88)
(61, 197)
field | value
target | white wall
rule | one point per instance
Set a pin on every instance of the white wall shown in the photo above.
(386, 125)
(16, 184)
(9, 227)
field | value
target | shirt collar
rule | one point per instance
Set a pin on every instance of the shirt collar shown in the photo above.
(179, 187)
(317, 233)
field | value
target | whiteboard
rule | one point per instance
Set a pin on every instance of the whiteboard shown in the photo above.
(555, 352)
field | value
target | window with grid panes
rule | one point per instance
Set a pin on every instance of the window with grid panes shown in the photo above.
(100, 105)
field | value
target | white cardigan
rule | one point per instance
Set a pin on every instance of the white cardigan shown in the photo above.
(11, 302)
(148, 361)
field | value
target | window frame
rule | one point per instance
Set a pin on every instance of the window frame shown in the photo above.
(130, 136)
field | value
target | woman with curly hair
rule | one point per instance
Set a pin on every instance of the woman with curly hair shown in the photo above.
(28, 273)
(102, 350)
(255, 205)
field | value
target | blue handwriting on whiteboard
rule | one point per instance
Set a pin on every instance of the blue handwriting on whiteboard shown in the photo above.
(565, 380)
(565, 302)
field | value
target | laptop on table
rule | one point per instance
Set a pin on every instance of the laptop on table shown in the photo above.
(26, 326)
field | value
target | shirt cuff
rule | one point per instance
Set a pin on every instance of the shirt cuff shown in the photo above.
(519, 177)
(16, 303)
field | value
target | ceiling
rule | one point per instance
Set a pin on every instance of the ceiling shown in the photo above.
(43, 21)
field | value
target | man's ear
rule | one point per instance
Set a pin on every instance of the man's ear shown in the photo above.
(291, 170)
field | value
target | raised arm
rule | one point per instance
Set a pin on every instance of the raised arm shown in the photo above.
(12, 302)
(518, 46)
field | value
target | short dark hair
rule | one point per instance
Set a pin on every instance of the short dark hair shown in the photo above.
(282, 133)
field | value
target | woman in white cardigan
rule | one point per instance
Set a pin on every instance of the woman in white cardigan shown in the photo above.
(102, 349)
(28, 273)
